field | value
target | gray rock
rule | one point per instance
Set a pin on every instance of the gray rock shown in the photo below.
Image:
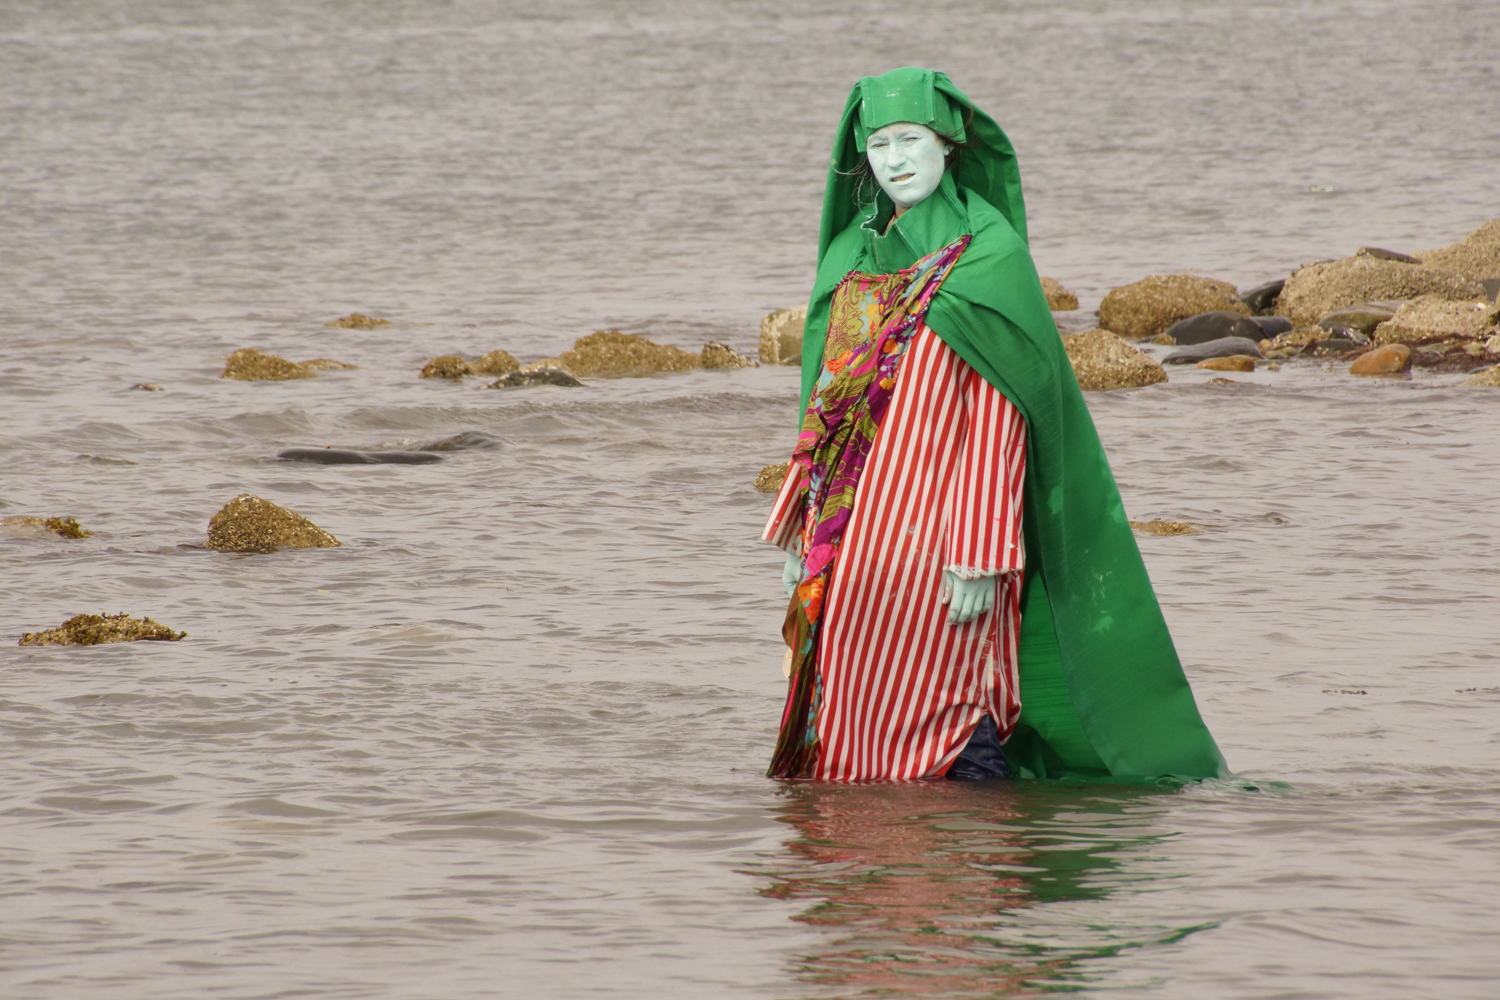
(1271, 326)
(1379, 254)
(1224, 347)
(537, 376)
(1262, 298)
(1492, 288)
(1364, 317)
(1202, 328)
(348, 456)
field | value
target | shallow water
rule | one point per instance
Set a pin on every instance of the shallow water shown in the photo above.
(508, 740)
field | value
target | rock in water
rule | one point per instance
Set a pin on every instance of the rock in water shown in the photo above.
(449, 366)
(545, 375)
(614, 354)
(91, 630)
(147, 387)
(1215, 325)
(1476, 256)
(250, 365)
(1391, 359)
(1430, 318)
(1364, 317)
(358, 321)
(1261, 299)
(1236, 363)
(1102, 360)
(64, 527)
(1224, 347)
(1059, 299)
(348, 456)
(1153, 304)
(771, 477)
(781, 336)
(1165, 527)
(1490, 378)
(716, 355)
(494, 363)
(1316, 290)
(249, 524)
(326, 365)
(1272, 326)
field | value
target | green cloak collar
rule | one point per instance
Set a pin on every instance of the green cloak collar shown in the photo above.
(1103, 695)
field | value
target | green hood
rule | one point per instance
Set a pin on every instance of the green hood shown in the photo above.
(1102, 691)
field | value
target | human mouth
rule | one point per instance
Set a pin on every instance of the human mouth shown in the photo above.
(902, 177)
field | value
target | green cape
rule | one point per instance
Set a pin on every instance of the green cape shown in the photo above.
(1102, 691)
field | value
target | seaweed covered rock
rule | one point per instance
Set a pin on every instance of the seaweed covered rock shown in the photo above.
(1102, 360)
(92, 630)
(326, 365)
(494, 363)
(358, 321)
(614, 354)
(1476, 256)
(250, 365)
(1165, 527)
(1489, 378)
(781, 336)
(716, 355)
(1151, 305)
(147, 387)
(249, 524)
(1431, 318)
(770, 478)
(1059, 299)
(64, 527)
(1315, 290)
(449, 366)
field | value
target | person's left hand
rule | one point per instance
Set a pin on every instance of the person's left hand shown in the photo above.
(967, 599)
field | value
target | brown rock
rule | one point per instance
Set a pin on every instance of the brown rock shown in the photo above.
(1165, 527)
(1059, 299)
(771, 477)
(1490, 377)
(1102, 360)
(64, 527)
(1392, 359)
(1431, 318)
(494, 363)
(614, 354)
(781, 336)
(1476, 256)
(91, 630)
(250, 365)
(249, 524)
(449, 366)
(325, 365)
(1237, 363)
(1147, 307)
(358, 321)
(716, 355)
(1315, 290)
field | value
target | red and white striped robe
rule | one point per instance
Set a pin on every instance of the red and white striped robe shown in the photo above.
(902, 689)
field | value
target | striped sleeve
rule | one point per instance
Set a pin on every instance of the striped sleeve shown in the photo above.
(784, 526)
(984, 505)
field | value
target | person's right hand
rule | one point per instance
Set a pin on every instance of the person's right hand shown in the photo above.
(791, 573)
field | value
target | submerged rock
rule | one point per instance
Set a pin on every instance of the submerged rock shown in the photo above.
(545, 375)
(1151, 305)
(1214, 325)
(1102, 361)
(610, 353)
(249, 524)
(1261, 299)
(1391, 359)
(1224, 347)
(348, 456)
(358, 321)
(1059, 299)
(92, 630)
(494, 363)
(250, 365)
(449, 366)
(781, 336)
(1315, 290)
(1166, 527)
(64, 527)
(771, 477)
(1234, 363)
(1431, 318)
(716, 355)
(1476, 256)
(147, 387)
(326, 365)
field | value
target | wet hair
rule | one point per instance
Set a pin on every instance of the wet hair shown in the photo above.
(864, 177)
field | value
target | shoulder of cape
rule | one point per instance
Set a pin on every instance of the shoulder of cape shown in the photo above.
(842, 256)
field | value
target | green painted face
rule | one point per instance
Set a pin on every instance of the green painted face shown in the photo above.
(907, 160)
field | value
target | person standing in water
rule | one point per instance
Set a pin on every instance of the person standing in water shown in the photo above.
(967, 598)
